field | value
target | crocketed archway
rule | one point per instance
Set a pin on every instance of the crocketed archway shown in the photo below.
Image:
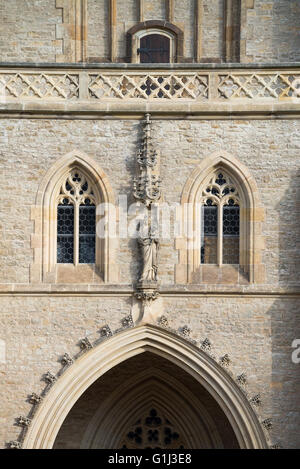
(148, 394)
(146, 402)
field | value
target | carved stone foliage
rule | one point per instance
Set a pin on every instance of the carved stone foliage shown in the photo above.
(50, 378)
(23, 421)
(85, 344)
(67, 360)
(35, 399)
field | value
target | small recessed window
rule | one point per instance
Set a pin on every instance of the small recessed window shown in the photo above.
(154, 48)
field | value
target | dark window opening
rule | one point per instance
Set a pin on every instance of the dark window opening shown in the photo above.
(65, 233)
(87, 231)
(154, 48)
(231, 233)
(210, 234)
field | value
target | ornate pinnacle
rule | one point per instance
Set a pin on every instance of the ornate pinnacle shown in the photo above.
(147, 156)
(146, 187)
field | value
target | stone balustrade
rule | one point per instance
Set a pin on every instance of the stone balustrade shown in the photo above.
(184, 88)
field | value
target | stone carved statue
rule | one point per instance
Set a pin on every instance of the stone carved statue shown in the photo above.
(149, 248)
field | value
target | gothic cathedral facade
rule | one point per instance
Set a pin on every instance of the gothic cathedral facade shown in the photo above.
(149, 230)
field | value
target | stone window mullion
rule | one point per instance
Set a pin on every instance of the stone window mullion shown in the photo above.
(76, 233)
(220, 235)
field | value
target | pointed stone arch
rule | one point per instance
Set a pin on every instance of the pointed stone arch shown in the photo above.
(53, 410)
(252, 216)
(44, 268)
(171, 397)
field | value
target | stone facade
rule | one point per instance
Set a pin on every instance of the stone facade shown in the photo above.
(43, 30)
(55, 116)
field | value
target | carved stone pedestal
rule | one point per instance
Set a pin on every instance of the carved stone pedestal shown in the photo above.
(147, 293)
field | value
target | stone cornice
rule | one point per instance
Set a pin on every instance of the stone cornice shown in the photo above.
(126, 290)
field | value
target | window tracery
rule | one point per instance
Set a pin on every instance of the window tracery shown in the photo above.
(76, 220)
(152, 431)
(220, 221)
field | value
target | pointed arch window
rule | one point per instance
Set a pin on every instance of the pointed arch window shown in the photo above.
(76, 220)
(220, 221)
(223, 215)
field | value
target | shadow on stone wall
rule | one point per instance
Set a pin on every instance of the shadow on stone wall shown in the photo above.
(285, 325)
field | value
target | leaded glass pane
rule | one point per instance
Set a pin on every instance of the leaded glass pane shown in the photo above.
(210, 234)
(231, 233)
(87, 234)
(65, 233)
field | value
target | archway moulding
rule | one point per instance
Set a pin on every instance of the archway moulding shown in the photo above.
(165, 392)
(62, 396)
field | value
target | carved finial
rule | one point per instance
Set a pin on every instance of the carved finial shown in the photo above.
(49, 378)
(23, 421)
(225, 361)
(256, 400)
(242, 379)
(163, 321)
(105, 331)
(206, 345)
(267, 423)
(67, 360)
(85, 344)
(35, 399)
(127, 321)
(185, 331)
(14, 445)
